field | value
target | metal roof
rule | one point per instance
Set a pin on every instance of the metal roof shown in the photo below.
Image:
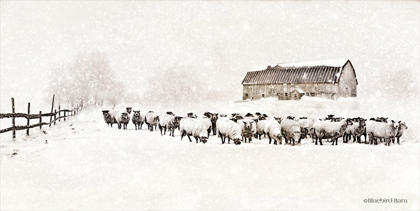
(294, 74)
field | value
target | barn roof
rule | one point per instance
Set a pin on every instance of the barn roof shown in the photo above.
(305, 72)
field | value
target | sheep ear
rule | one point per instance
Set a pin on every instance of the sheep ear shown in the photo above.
(392, 121)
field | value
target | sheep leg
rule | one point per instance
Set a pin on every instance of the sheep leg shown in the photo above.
(228, 140)
(164, 132)
(182, 134)
(398, 140)
(269, 140)
(189, 137)
(119, 125)
(196, 140)
(320, 141)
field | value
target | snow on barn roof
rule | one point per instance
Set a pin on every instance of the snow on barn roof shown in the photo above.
(327, 71)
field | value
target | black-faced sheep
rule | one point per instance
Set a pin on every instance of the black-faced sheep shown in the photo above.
(123, 118)
(169, 121)
(383, 130)
(228, 129)
(152, 120)
(290, 130)
(306, 128)
(402, 127)
(248, 127)
(356, 130)
(213, 118)
(194, 127)
(108, 118)
(332, 130)
(138, 119)
(273, 131)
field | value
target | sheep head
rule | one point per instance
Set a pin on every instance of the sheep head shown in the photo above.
(105, 112)
(136, 113)
(237, 141)
(128, 109)
(402, 125)
(124, 116)
(204, 139)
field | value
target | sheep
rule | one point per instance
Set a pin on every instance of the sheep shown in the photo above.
(273, 131)
(213, 118)
(355, 130)
(152, 120)
(248, 127)
(306, 127)
(260, 128)
(402, 127)
(108, 118)
(123, 118)
(194, 127)
(332, 130)
(381, 130)
(137, 119)
(230, 129)
(290, 130)
(170, 122)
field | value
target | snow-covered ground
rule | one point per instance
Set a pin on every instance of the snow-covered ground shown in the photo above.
(87, 166)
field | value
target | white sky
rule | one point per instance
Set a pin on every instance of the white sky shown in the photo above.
(223, 40)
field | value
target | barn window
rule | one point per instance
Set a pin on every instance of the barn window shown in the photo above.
(246, 94)
(285, 94)
(262, 95)
(295, 95)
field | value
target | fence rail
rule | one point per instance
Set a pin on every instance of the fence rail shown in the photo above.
(62, 114)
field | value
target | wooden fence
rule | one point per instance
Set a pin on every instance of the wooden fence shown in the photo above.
(54, 117)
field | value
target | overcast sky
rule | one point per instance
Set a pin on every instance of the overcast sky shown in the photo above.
(218, 40)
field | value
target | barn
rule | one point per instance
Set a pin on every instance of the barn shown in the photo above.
(290, 81)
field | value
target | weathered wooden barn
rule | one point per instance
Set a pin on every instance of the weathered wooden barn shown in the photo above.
(290, 81)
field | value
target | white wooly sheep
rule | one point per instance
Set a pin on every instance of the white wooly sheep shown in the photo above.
(152, 120)
(332, 130)
(260, 128)
(290, 129)
(381, 130)
(229, 129)
(208, 123)
(169, 121)
(194, 127)
(307, 127)
(273, 131)
(123, 118)
(248, 128)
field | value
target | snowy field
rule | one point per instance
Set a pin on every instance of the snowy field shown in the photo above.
(88, 166)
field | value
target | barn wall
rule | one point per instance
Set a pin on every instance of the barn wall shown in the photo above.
(324, 90)
(347, 84)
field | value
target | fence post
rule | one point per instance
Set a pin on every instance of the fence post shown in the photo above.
(55, 115)
(52, 107)
(13, 118)
(59, 113)
(64, 114)
(29, 113)
(40, 119)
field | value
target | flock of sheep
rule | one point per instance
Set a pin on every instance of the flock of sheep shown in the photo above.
(242, 128)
